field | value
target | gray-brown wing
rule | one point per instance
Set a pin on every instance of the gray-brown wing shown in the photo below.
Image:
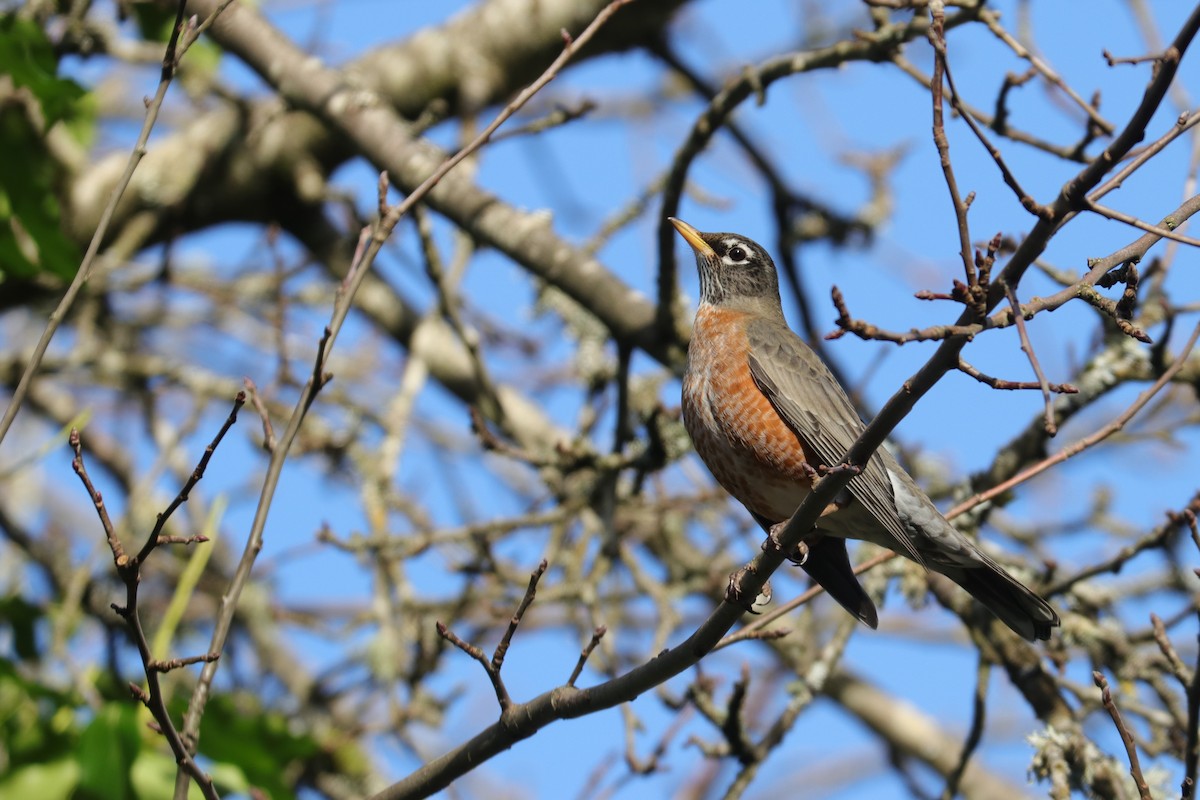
(810, 401)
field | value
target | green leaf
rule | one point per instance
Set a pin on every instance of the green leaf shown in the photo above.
(153, 778)
(36, 721)
(27, 56)
(107, 751)
(261, 744)
(21, 617)
(31, 236)
(54, 780)
(32, 241)
(154, 21)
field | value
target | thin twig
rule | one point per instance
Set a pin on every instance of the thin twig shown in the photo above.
(991, 19)
(1191, 754)
(1158, 230)
(1135, 767)
(223, 622)
(261, 407)
(1158, 537)
(1027, 348)
(110, 534)
(867, 331)
(1178, 668)
(1026, 200)
(1000, 383)
(597, 634)
(468, 648)
(983, 674)
(1112, 60)
(515, 621)
(1183, 123)
(176, 663)
(153, 539)
(937, 37)
(198, 538)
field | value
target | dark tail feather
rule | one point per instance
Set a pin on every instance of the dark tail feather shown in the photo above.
(829, 565)
(1014, 603)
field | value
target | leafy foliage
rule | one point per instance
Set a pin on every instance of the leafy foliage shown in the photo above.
(31, 237)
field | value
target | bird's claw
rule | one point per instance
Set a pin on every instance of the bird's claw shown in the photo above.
(733, 593)
(775, 533)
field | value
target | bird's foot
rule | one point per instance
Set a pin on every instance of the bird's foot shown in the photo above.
(733, 593)
(800, 555)
(774, 534)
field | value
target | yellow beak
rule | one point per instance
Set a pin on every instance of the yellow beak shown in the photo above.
(692, 237)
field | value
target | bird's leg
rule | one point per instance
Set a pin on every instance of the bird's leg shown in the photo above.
(733, 593)
(853, 469)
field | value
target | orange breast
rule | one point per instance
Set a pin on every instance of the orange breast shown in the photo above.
(737, 432)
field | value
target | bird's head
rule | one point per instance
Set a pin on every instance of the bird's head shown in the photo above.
(735, 272)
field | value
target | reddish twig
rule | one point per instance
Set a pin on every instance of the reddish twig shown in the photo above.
(1000, 383)
(937, 37)
(597, 634)
(110, 534)
(867, 331)
(1135, 767)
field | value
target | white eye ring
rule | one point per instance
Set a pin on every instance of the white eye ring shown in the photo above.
(736, 254)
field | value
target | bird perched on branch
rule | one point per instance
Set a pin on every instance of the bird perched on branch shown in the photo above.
(765, 415)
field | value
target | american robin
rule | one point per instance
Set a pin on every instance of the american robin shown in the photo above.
(765, 414)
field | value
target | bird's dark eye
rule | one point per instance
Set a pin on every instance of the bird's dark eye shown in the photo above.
(737, 253)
